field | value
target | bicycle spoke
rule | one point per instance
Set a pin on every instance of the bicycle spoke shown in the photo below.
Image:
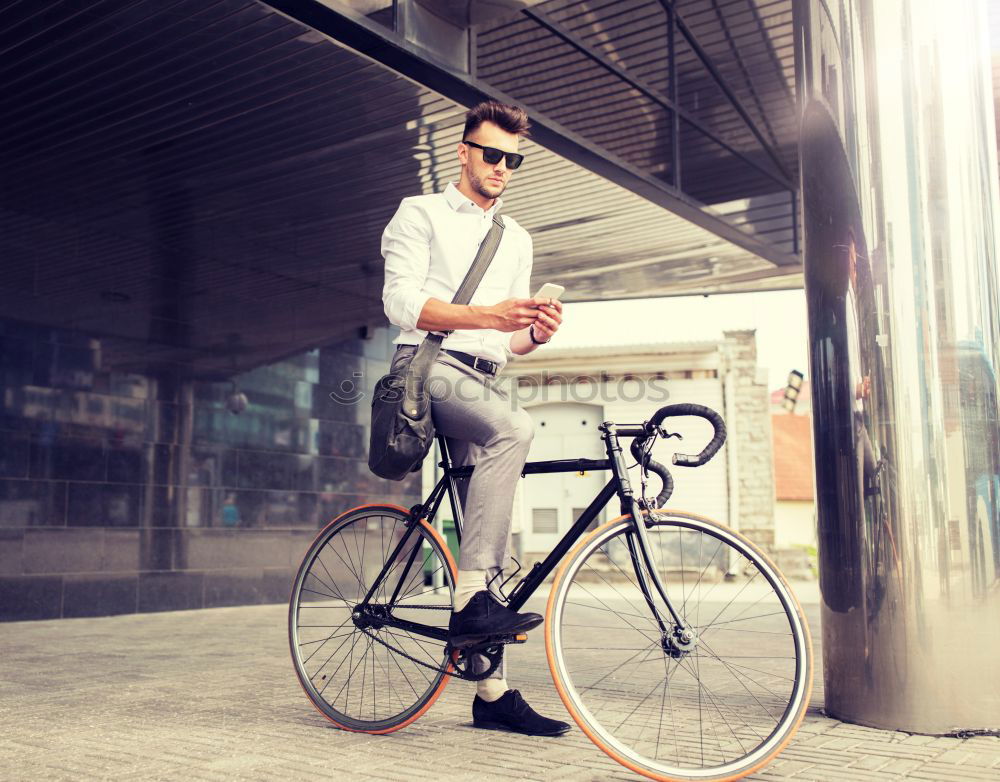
(746, 607)
(337, 669)
(742, 589)
(704, 570)
(670, 705)
(422, 645)
(328, 638)
(324, 594)
(618, 668)
(639, 704)
(329, 575)
(734, 675)
(620, 570)
(703, 688)
(744, 619)
(324, 640)
(619, 613)
(369, 653)
(350, 567)
(394, 657)
(610, 610)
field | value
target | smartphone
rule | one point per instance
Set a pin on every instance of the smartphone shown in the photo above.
(550, 291)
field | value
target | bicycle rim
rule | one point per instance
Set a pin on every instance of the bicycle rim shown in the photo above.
(374, 679)
(720, 710)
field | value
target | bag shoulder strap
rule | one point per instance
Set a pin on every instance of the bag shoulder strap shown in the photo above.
(487, 250)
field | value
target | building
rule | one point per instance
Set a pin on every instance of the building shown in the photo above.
(569, 391)
(196, 202)
(203, 219)
(794, 494)
(794, 481)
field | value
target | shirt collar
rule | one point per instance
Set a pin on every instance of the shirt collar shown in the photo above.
(457, 201)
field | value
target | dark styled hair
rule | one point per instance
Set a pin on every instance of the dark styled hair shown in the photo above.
(513, 119)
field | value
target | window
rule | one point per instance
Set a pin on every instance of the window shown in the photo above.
(545, 521)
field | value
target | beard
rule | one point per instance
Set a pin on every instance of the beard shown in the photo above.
(484, 189)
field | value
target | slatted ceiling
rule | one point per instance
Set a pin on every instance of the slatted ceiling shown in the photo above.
(631, 34)
(271, 159)
(639, 43)
(761, 33)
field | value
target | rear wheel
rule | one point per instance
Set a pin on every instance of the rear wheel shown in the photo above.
(716, 704)
(365, 676)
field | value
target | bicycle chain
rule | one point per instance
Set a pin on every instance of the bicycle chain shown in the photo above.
(407, 656)
(459, 675)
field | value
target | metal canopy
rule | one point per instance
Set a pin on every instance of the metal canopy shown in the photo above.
(203, 184)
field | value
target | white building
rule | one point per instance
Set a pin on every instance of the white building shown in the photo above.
(569, 391)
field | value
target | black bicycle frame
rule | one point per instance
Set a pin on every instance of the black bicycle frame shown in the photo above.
(618, 484)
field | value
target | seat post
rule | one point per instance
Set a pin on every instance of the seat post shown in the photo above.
(452, 487)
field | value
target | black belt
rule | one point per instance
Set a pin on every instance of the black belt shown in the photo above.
(476, 362)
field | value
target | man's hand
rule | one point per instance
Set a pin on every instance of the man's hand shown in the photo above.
(864, 388)
(515, 314)
(548, 320)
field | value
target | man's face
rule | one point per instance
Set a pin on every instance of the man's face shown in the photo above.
(489, 180)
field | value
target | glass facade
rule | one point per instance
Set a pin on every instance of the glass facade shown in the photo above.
(900, 214)
(128, 492)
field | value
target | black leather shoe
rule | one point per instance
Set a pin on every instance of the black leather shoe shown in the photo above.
(484, 617)
(510, 712)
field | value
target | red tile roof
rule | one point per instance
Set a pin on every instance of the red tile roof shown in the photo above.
(778, 396)
(793, 459)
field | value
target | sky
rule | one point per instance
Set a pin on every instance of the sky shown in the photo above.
(779, 318)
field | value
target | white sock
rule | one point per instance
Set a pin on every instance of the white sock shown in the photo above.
(491, 689)
(469, 582)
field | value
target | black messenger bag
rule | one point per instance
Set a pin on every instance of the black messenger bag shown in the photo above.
(402, 429)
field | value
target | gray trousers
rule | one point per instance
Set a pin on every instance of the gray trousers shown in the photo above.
(481, 426)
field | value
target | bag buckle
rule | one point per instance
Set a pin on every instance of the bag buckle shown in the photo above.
(488, 366)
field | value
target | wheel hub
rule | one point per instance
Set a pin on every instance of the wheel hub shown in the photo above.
(371, 616)
(679, 642)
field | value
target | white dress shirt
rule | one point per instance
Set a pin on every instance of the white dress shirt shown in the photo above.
(428, 247)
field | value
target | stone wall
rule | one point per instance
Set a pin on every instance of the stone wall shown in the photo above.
(749, 427)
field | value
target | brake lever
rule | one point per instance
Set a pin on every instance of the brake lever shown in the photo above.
(667, 435)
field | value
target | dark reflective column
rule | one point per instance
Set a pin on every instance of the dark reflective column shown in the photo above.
(900, 210)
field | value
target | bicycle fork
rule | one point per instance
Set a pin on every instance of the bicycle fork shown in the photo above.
(680, 638)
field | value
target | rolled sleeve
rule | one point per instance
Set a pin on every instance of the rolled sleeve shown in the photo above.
(406, 249)
(520, 287)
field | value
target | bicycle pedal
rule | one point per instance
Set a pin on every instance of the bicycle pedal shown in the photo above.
(468, 645)
(510, 638)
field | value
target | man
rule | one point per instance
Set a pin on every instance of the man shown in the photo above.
(861, 382)
(428, 247)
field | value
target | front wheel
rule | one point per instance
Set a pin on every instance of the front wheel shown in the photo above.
(717, 702)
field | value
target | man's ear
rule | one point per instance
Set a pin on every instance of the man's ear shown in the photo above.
(463, 153)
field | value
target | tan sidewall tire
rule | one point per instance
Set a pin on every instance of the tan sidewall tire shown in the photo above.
(571, 706)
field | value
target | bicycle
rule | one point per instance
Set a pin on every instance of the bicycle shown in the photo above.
(674, 643)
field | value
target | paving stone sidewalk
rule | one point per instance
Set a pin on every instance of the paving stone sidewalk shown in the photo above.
(211, 695)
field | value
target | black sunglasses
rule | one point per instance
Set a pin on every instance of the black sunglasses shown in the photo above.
(492, 155)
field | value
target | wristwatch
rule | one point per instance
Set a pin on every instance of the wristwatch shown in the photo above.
(531, 333)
